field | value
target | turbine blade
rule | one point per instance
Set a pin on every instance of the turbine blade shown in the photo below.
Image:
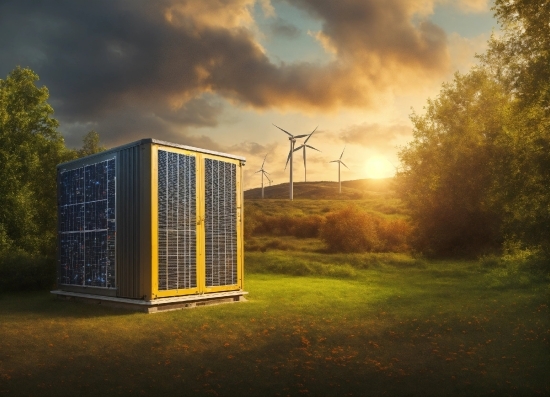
(342, 153)
(286, 132)
(309, 136)
(301, 136)
(264, 161)
(334, 161)
(298, 148)
(288, 159)
(258, 171)
(341, 162)
(311, 147)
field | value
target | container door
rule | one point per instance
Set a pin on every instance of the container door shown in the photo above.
(221, 232)
(177, 223)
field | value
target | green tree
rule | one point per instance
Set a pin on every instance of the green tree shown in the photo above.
(448, 167)
(520, 59)
(477, 172)
(90, 145)
(30, 149)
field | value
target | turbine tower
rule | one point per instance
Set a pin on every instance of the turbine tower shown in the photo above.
(339, 161)
(292, 140)
(264, 172)
(303, 147)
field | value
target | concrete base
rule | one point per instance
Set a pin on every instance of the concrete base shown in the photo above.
(157, 305)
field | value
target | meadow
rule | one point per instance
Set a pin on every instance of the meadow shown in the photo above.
(315, 323)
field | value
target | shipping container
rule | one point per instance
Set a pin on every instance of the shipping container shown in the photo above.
(151, 226)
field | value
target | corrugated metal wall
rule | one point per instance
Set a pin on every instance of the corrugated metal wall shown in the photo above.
(128, 223)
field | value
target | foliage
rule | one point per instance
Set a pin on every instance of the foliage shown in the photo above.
(30, 151)
(31, 148)
(448, 167)
(350, 230)
(90, 145)
(305, 219)
(20, 271)
(478, 170)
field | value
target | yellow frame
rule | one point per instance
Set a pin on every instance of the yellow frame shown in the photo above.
(200, 211)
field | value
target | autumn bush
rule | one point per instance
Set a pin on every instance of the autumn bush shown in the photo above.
(350, 230)
(286, 225)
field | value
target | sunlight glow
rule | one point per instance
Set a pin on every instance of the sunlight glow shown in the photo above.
(379, 167)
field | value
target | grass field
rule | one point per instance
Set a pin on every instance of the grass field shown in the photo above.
(388, 325)
(315, 323)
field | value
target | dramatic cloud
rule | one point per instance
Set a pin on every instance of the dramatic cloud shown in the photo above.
(134, 67)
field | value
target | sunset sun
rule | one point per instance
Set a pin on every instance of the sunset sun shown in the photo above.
(379, 167)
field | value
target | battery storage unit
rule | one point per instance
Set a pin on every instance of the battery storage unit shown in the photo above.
(151, 226)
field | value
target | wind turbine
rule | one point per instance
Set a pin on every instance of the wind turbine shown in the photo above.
(339, 161)
(292, 140)
(303, 147)
(264, 172)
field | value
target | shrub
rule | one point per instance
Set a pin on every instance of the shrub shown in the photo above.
(350, 230)
(307, 226)
(20, 271)
(394, 234)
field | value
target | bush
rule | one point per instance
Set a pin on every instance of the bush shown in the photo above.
(20, 271)
(350, 230)
(307, 226)
(394, 234)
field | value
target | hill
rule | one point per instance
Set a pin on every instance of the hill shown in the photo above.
(351, 190)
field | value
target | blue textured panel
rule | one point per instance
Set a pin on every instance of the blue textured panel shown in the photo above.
(87, 198)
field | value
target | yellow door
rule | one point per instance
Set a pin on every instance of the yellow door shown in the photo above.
(197, 244)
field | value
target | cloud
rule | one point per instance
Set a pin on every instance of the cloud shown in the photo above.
(381, 138)
(131, 66)
(472, 6)
(282, 28)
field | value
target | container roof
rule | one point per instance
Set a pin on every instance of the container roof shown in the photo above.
(162, 143)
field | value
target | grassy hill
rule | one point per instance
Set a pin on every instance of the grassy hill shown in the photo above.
(351, 190)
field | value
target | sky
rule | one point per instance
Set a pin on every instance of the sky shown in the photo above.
(217, 74)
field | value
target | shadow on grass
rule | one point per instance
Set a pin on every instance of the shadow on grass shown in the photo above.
(46, 305)
(376, 354)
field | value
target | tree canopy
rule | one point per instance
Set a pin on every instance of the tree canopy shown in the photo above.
(477, 171)
(30, 150)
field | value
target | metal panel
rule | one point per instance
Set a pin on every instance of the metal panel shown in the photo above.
(129, 216)
(177, 220)
(220, 223)
(86, 209)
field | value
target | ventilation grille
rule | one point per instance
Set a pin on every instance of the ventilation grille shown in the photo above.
(177, 237)
(87, 229)
(220, 223)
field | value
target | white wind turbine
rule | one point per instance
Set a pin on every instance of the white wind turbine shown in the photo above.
(292, 140)
(264, 173)
(303, 147)
(339, 161)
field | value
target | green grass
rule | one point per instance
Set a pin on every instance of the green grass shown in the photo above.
(396, 326)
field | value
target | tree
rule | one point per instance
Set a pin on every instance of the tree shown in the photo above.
(448, 167)
(90, 145)
(520, 59)
(30, 149)
(477, 172)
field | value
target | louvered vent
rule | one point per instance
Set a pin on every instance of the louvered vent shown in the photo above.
(220, 223)
(87, 225)
(177, 239)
